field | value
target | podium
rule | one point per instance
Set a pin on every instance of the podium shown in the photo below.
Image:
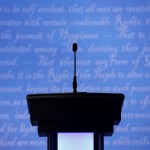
(75, 112)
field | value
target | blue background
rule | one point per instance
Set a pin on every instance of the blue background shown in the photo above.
(36, 56)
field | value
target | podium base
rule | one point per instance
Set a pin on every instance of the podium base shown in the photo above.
(52, 141)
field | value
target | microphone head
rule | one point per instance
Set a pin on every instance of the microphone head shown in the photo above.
(74, 47)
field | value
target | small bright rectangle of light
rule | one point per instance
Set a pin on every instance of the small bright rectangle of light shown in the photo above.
(75, 141)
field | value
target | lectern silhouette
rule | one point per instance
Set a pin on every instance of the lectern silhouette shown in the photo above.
(75, 112)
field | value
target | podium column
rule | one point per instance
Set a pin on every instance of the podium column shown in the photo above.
(52, 141)
(98, 141)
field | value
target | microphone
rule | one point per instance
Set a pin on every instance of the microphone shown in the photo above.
(74, 48)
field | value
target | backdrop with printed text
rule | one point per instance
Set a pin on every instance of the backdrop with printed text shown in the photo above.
(36, 56)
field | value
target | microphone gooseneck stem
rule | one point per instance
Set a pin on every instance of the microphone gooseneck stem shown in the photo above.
(74, 63)
(74, 77)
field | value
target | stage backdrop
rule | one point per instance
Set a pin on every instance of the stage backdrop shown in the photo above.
(113, 56)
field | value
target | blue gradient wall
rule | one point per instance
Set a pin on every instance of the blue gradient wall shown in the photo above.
(36, 56)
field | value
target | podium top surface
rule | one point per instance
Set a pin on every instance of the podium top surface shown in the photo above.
(77, 96)
(75, 111)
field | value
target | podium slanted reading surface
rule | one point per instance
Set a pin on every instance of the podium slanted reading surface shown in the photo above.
(75, 112)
